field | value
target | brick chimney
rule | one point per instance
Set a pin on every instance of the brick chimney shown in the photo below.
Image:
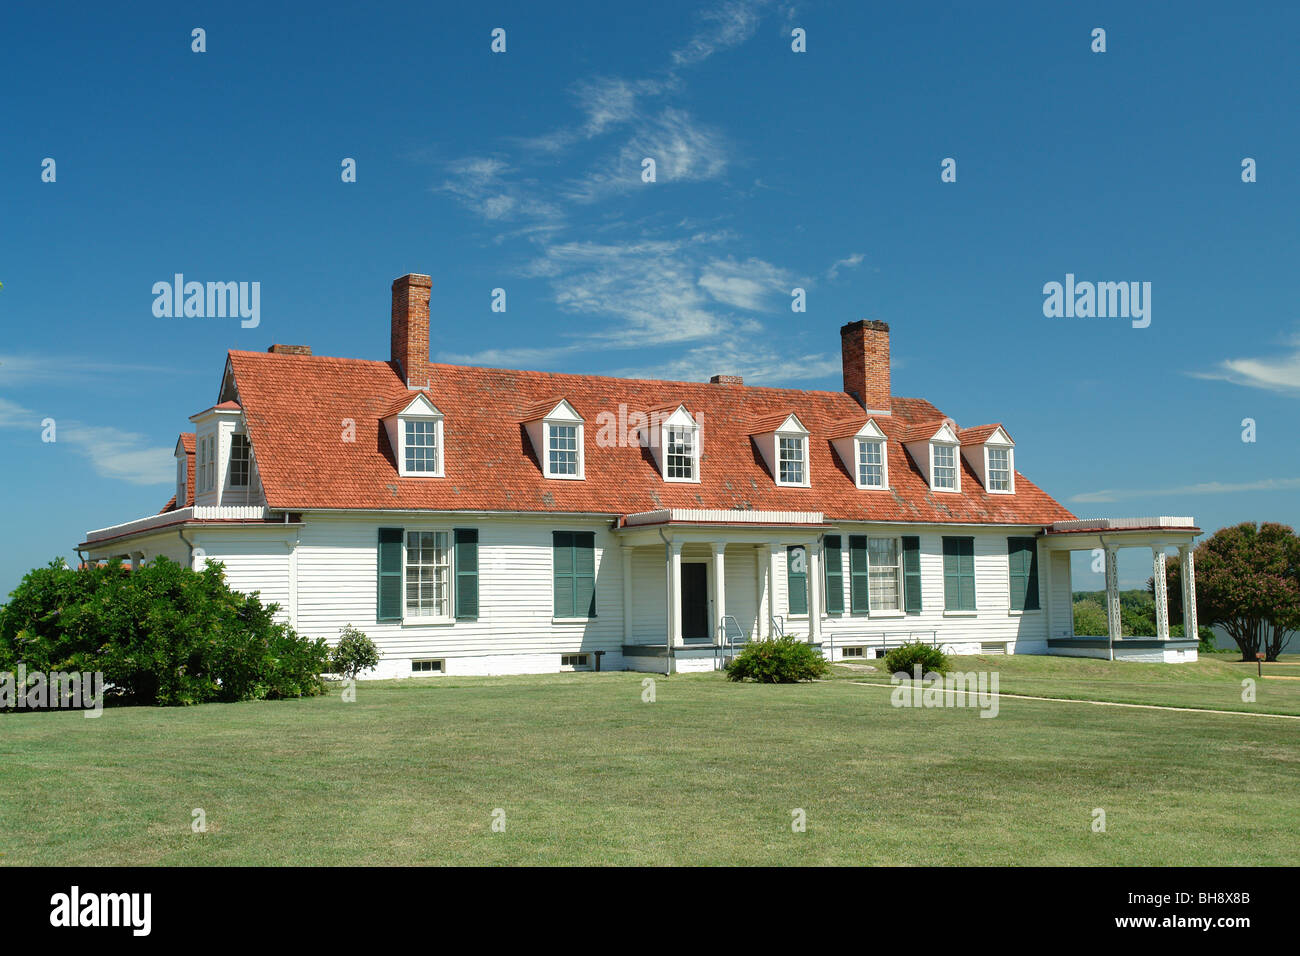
(290, 349)
(864, 349)
(411, 328)
(726, 380)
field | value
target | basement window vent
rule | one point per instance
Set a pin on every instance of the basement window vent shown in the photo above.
(854, 652)
(878, 652)
(993, 648)
(428, 667)
(573, 660)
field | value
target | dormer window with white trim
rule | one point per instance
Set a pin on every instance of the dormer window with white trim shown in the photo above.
(673, 436)
(863, 448)
(556, 431)
(943, 475)
(783, 441)
(240, 460)
(415, 431)
(991, 454)
(180, 481)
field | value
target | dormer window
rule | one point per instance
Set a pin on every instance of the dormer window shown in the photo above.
(999, 469)
(240, 457)
(871, 464)
(421, 446)
(556, 431)
(783, 441)
(414, 427)
(862, 447)
(791, 460)
(944, 471)
(681, 454)
(180, 481)
(562, 450)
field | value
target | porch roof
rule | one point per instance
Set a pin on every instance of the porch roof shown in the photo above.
(811, 520)
(1088, 533)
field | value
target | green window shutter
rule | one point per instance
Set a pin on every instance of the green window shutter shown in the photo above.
(466, 574)
(959, 574)
(389, 596)
(834, 575)
(859, 584)
(796, 581)
(912, 574)
(562, 542)
(584, 574)
(1022, 566)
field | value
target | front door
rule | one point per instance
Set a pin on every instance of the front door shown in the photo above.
(695, 601)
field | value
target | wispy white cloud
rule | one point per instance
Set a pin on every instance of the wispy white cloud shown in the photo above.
(18, 370)
(1274, 373)
(1107, 495)
(848, 262)
(753, 285)
(112, 453)
(726, 26)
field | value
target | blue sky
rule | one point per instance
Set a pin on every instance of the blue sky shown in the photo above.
(776, 169)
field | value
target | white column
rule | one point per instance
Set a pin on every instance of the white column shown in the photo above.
(814, 593)
(1162, 593)
(1187, 562)
(719, 590)
(760, 589)
(627, 594)
(675, 594)
(775, 553)
(137, 559)
(1112, 593)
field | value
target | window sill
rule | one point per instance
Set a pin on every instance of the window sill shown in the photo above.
(428, 621)
(961, 613)
(572, 620)
(886, 614)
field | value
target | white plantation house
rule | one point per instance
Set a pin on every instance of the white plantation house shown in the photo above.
(476, 520)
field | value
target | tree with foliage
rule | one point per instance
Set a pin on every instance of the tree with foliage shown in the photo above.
(1247, 582)
(161, 634)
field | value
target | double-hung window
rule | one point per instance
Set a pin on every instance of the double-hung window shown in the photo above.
(240, 459)
(421, 445)
(681, 453)
(563, 449)
(945, 466)
(884, 573)
(790, 460)
(428, 574)
(999, 469)
(871, 464)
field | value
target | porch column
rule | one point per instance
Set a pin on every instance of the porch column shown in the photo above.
(627, 595)
(719, 590)
(675, 594)
(775, 551)
(760, 588)
(1162, 593)
(137, 559)
(1112, 595)
(814, 592)
(1187, 565)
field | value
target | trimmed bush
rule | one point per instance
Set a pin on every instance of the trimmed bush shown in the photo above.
(905, 658)
(161, 635)
(782, 660)
(353, 653)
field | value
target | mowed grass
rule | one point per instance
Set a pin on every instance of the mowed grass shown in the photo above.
(588, 773)
(1213, 682)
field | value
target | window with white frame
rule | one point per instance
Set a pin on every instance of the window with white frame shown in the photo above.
(884, 573)
(791, 467)
(181, 490)
(999, 469)
(945, 466)
(562, 449)
(680, 453)
(871, 464)
(421, 441)
(240, 458)
(428, 574)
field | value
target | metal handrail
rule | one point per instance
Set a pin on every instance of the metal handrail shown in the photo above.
(777, 622)
(727, 641)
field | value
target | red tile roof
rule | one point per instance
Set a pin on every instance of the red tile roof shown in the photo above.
(921, 431)
(295, 409)
(979, 434)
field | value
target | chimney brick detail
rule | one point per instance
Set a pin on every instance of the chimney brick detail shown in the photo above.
(410, 330)
(864, 350)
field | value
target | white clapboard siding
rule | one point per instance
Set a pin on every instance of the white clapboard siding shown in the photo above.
(254, 561)
(1062, 598)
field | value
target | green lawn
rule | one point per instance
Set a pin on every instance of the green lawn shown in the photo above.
(1214, 682)
(708, 774)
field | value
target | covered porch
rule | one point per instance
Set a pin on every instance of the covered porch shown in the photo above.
(1106, 537)
(698, 583)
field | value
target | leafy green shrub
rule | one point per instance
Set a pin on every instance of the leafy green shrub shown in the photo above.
(782, 660)
(905, 657)
(162, 634)
(353, 653)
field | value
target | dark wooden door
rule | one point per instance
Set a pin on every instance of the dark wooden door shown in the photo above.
(695, 602)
